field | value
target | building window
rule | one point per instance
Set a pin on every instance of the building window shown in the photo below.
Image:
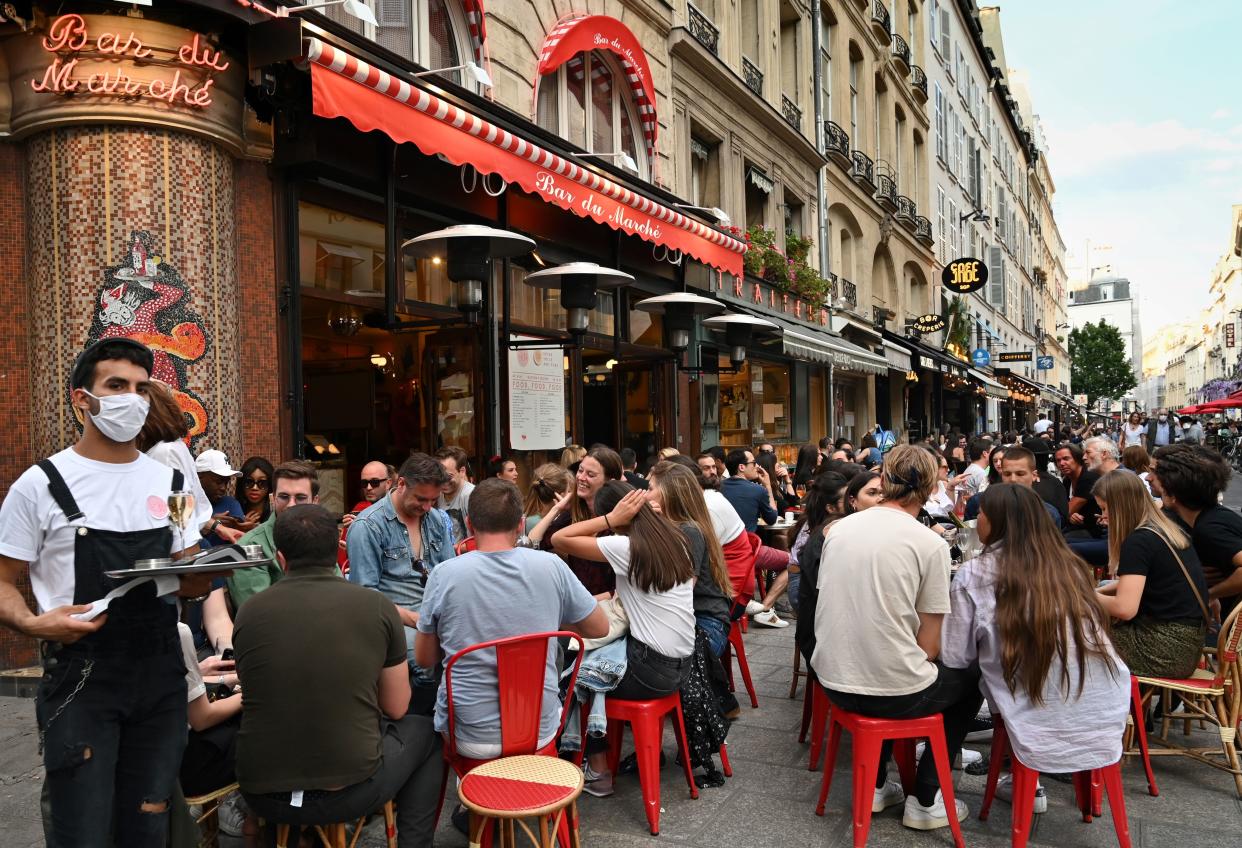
(601, 120)
(704, 172)
(955, 243)
(758, 191)
(791, 20)
(855, 71)
(434, 33)
(750, 32)
(941, 129)
(899, 138)
(794, 213)
(941, 233)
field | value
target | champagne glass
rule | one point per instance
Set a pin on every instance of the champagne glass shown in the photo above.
(180, 511)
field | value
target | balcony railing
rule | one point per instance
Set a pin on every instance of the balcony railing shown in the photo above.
(905, 209)
(837, 144)
(849, 295)
(880, 21)
(886, 192)
(918, 81)
(863, 170)
(703, 30)
(791, 112)
(901, 52)
(922, 230)
(753, 76)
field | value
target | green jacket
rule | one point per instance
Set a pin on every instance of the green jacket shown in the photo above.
(245, 582)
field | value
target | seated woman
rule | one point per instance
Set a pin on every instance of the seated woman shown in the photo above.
(1026, 612)
(864, 491)
(548, 485)
(655, 581)
(505, 469)
(599, 466)
(1159, 599)
(824, 505)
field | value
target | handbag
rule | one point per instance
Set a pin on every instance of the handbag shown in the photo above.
(1207, 617)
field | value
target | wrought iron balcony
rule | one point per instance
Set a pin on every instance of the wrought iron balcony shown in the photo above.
(901, 53)
(703, 30)
(837, 144)
(863, 169)
(923, 230)
(880, 21)
(905, 209)
(791, 112)
(849, 294)
(918, 81)
(886, 192)
(753, 76)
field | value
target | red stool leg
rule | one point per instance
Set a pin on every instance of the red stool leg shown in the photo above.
(1024, 781)
(1000, 747)
(1096, 783)
(679, 733)
(739, 651)
(648, 731)
(820, 707)
(808, 699)
(724, 761)
(830, 762)
(1082, 794)
(616, 735)
(1117, 803)
(1140, 730)
(944, 770)
(903, 756)
(866, 764)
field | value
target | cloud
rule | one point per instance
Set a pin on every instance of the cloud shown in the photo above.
(1220, 114)
(1094, 147)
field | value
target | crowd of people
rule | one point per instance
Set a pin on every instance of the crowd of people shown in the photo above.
(316, 681)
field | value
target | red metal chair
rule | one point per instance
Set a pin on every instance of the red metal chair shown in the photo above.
(815, 710)
(465, 546)
(1140, 731)
(869, 735)
(1026, 779)
(520, 664)
(737, 648)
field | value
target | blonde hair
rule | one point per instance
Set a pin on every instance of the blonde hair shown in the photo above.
(1130, 508)
(550, 482)
(909, 475)
(572, 454)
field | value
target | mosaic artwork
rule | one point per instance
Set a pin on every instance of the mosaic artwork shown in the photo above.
(145, 299)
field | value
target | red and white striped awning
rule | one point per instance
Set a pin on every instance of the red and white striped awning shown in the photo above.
(476, 21)
(578, 33)
(344, 86)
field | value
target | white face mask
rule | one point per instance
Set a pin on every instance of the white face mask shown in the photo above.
(120, 417)
(1163, 418)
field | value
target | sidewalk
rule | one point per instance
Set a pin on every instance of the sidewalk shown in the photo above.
(771, 797)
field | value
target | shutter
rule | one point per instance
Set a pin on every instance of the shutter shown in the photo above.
(394, 13)
(976, 175)
(996, 277)
(944, 34)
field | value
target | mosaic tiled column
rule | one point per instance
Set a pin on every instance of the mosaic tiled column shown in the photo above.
(131, 232)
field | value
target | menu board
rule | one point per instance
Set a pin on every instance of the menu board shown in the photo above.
(536, 398)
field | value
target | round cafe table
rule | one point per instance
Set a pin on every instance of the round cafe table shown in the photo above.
(511, 789)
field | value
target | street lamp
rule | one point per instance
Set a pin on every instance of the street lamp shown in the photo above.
(740, 331)
(679, 311)
(468, 250)
(579, 283)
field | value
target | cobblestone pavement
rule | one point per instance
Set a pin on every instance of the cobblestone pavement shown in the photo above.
(771, 797)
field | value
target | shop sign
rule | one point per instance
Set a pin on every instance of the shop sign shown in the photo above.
(1014, 356)
(1044, 363)
(981, 357)
(1229, 334)
(964, 275)
(927, 362)
(1080, 400)
(752, 291)
(536, 398)
(929, 323)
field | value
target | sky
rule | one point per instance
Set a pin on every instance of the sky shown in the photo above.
(1141, 106)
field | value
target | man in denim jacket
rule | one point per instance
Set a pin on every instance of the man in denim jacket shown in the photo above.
(396, 542)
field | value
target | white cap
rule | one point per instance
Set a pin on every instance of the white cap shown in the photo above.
(214, 462)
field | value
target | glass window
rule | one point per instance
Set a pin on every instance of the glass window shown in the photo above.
(575, 87)
(645, 328)
(340, 252)
(442, 49)
(605, 124)
(539, 307)
(755, 404)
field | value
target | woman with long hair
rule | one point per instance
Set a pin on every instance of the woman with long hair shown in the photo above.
(598, 466)
(864, 491)
(1136, 458)
(548, 485)
(824, 504)
(655, 582)
(778, 476)
(1160, 596)
(676, 494)
(869, 454)
(1133, 433)
(254, 491)
(809, 459)
(1026, 612)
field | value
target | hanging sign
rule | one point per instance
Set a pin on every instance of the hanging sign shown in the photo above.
(1044, 363)
(1229, 334)
(929, 323)
(1014, 356)
(981, 357)
(536, 398)
(964, 276)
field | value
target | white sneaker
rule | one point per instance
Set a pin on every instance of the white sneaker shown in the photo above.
(891, 795)
(918, 817)
(597, 784)
(754, 607)
(232, 815)
(768, 618)
(1004, 791)
(965, 758)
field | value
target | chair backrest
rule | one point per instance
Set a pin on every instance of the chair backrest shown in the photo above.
(465, 546)
(520, 665)
(1227, 642)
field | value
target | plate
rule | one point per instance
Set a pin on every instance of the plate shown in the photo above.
(189, 568)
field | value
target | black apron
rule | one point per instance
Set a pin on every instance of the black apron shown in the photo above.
(139, 623)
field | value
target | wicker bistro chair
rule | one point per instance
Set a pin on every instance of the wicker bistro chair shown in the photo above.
(1212, 696)
(208, 818)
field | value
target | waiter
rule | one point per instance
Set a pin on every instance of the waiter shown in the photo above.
(111, 707)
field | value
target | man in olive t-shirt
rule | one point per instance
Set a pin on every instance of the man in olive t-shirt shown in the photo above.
(324, 734)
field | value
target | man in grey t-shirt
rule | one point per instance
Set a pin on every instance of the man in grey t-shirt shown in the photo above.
(494, 592)
(455, 495)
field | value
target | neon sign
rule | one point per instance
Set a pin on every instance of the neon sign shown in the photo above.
(68, 36)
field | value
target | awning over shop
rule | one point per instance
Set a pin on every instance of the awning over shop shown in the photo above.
(898, 357)
(930, 359)
(344, 86)
(990, 387)
(816, 346)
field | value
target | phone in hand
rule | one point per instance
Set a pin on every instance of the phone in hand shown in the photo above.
(227, 654)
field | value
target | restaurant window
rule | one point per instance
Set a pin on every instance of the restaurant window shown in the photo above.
(339, 252)
(758, 191)
(599, 118)
(433, 33)
(794, 214)
(755, 404)
(541, 308)
(704, 172)
(646, 329)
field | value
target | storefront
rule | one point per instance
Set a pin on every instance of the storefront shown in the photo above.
(1024, 397)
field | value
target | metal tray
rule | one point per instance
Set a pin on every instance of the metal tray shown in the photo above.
(155, 570)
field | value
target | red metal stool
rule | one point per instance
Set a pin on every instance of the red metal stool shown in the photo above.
(512, 789)
(646, 720)
(737, 648)
(1025, 780)
(816, 718)
(869, 734)
(1140, 730)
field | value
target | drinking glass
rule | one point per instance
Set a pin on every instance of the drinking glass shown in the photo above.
(180, 511)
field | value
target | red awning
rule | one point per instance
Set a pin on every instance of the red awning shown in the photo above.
(344, 86)
(476, 21)
(579, 33)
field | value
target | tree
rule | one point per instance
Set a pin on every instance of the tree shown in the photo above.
(1099, 367)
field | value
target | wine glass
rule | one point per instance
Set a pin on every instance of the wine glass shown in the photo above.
(180, 511)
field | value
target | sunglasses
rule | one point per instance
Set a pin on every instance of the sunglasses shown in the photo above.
(249, 483)
(374, 483)
(421, 570)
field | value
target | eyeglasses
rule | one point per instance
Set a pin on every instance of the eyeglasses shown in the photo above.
(373, 483)
(250, 483)
(300, 498)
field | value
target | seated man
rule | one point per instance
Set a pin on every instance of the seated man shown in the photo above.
(324, 735)
(1019, 466)
(749, 491)
(215, 475)
(496, 591)
(877, 627)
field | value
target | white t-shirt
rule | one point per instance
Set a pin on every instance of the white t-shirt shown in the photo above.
(1135, 434)
(976, 479)
(121, 497)
(175, 454)
(660, 620)
(880, 568)
(725, 520)
(195, 688)
(940, 504)
(1041, 426)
